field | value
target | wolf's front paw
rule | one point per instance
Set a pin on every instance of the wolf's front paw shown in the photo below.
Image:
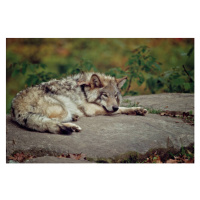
(141, 111)
(136, 111)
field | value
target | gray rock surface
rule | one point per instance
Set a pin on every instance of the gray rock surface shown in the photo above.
(165, 101)
(106, 136)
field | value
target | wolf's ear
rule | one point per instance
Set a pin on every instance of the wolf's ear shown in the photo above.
(120, 82)
(83, 83)
(95, 81)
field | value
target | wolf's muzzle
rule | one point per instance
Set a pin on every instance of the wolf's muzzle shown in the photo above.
(115, 108)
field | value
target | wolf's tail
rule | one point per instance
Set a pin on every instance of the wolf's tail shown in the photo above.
(42, 123)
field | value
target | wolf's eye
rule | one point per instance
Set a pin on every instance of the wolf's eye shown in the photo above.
(105, 95)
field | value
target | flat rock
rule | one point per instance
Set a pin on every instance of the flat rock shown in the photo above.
(166, 101)
(102, 136)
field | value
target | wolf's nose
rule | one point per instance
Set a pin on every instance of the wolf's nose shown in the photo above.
(115, 108)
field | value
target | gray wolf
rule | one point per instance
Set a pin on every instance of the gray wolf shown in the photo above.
(50, 106)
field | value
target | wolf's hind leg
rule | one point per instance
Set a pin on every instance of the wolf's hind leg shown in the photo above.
(132, 111)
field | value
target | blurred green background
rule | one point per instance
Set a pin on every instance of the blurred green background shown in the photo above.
(152, 65)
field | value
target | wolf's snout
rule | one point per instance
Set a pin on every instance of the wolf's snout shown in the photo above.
(115, 108)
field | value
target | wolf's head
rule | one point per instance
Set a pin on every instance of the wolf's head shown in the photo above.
(104, 91)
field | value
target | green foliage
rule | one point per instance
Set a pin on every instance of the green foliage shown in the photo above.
(33, 71)
(18, 68)
(140, 62)
(143, 67)
(84, 66)
(37, 72)
(154, 84)
(177, 79)
(34, 79)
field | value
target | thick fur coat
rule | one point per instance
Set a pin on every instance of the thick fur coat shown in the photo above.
(50, 106)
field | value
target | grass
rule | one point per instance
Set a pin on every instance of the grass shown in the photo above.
(153, 111)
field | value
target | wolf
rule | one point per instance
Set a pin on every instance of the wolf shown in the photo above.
(51, 106)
